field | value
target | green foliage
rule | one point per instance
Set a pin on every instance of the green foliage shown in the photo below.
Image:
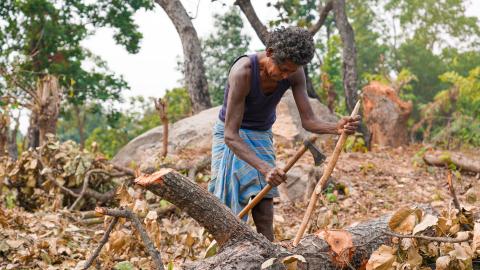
(220, 50)
(40, 37)
(179, 104)
(454, 115)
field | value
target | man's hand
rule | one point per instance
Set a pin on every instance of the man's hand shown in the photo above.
(348, 124)
(275, 176)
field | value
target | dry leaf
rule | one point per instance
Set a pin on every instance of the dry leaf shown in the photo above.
(443, 263)
(404, 220)
(381, 259)
(268, 263)
(476, 237)
(414, 259)
(427, 221)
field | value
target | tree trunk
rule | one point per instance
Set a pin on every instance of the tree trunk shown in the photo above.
(80, 115)
(49, 94)
(4, 127)
(12, 140)
(242, 248)
(249, 11)
(194, 68)
(310, 89)
(33, 134)
(349, 54)
(385, 115)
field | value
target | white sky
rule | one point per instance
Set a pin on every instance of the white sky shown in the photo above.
(153, 70)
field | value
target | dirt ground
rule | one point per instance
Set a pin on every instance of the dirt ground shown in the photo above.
(371, 184)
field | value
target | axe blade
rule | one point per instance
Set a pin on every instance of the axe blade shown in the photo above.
(318, 156)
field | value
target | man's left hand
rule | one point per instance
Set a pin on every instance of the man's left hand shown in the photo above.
(348, 124)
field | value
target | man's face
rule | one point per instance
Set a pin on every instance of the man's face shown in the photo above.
(280, 71)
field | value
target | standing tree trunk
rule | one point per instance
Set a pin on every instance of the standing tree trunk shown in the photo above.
(349, 54)
(80, 115)
(33, 134)
(4, 126)
(194, 69)
(12, 140)
(49, 96)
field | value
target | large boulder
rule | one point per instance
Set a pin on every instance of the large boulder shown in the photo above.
(194, 134)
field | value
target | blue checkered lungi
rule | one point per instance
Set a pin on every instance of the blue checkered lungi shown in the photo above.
(234, 181)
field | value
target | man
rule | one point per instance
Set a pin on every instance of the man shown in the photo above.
(243, 158)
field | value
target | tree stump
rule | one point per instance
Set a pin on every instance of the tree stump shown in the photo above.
(385, 115)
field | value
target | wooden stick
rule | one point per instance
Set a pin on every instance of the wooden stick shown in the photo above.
(268, 187)
(157, 259)
(429, 238)
(326, 174)
(101, 244)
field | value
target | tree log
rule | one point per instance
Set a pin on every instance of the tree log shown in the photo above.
(438, 158)
(242, 248)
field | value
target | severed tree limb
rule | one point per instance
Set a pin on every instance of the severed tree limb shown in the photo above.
(141, 230)
(439, 158)
(242, 248)
(104, 240)
(429, 238)
(200, 165)
(161, 106)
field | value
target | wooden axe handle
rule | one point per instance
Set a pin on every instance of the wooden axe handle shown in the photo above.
(326, 174)
(268, 187)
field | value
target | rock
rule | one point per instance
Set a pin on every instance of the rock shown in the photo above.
(195, 133)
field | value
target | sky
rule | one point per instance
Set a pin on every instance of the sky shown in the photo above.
(153, 69)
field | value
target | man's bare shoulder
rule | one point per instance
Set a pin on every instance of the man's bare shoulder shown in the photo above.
(241, 70)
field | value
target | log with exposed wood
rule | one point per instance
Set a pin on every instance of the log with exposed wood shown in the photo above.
(460, 161)
(385, 115)
(242, 248)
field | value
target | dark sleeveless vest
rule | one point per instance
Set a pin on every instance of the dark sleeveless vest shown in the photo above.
(259, 111)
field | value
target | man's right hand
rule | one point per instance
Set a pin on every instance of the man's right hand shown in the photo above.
(275, 176)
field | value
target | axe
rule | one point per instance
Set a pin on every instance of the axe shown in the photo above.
(318, 158)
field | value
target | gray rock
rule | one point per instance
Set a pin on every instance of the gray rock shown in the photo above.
(195, 132)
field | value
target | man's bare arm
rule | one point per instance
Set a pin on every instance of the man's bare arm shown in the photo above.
(309, 120)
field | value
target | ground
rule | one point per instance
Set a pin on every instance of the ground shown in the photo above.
(371, 184)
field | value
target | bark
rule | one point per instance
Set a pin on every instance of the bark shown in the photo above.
(438, 158)
(385, 115)
(349, 53)
(161, 107)
(4, 126)
(12, 140)
(47, 107)
(242, 248)
(194, 68)
(249, 11)
(310, 89)
(80, 125)
(33, 133)
(323, 11)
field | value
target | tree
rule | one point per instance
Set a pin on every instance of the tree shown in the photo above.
(40, 43)
(221, 48)
(196, 80)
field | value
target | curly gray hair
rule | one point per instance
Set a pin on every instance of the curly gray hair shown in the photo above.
(291, 43)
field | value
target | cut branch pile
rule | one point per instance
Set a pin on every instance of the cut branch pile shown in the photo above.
(61, 175)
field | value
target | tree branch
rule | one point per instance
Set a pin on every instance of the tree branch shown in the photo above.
(104, 240)
(249, 11)
(323, 16)
(158, 264)
(429, 238)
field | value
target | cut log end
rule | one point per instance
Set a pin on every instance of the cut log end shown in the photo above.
(341, 246)
(100, 211)
(145, 180)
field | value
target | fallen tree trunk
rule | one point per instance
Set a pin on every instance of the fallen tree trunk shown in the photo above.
(242, 248)
(439, 158)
